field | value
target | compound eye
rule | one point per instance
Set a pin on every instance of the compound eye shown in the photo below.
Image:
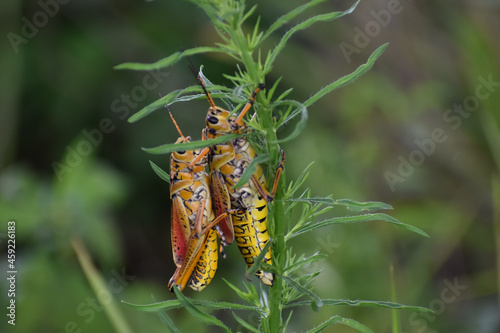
(181, 152)
(212, 120)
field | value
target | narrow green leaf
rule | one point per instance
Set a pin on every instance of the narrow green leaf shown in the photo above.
(258, 261)
(305, 261)
(251, 296)
(248, 13)
(243, 295)
(245, 324)
(202, 316)
(250, 170)
(176, 304)
(361, 303)
(301, 124)
(294, 186)
(284, 94)
(344, 321)
(289, 16)
(160, 172)
(177, 96)
(287, 321)
(192, 145)
(345, 80)
(270, 92)
(356, 219)
(316, 302)
(287, 105)
(256, 36)
(155, 307)
(301, 26)
(224, 305)
(167, 321)
(160, 103)
(357, 206)
(326, 201)
(168, 61)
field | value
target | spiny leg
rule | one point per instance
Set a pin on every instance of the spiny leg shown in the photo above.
(220, 217)
(262, 191)
(204, 152)
(249, 104)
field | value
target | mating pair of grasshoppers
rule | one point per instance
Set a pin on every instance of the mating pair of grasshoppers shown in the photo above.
(207, 206)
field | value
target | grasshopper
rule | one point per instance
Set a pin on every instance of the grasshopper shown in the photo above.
(245, 208)
(194, 242)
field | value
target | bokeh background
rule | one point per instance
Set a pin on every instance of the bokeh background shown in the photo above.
(60, 95)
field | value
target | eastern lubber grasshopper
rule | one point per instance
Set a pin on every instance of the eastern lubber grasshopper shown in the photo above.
(246, 207)
(194, 242)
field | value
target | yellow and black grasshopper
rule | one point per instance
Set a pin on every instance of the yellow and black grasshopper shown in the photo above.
(247, 205)
(194, 243)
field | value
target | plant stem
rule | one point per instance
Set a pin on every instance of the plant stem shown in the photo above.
(276, 221)
(98, 285)
(275, 297)
(276, 224)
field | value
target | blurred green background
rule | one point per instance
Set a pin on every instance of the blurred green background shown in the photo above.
(71, 166)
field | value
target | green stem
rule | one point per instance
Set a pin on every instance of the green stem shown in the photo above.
(277, 224)
(275, 297)
(98, 285)
(277, 220)
(246, 57)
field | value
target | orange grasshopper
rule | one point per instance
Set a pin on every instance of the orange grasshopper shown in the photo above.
(194, 242)
(246, 207)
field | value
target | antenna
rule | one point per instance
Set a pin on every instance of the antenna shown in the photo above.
(200, 80)
(173, 120)
(175, 123)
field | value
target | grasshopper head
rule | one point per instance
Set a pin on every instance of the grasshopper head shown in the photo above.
(181, 159)
(218, 121)
(181, 156)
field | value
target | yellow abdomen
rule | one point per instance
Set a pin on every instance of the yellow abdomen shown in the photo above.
(251, 234)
